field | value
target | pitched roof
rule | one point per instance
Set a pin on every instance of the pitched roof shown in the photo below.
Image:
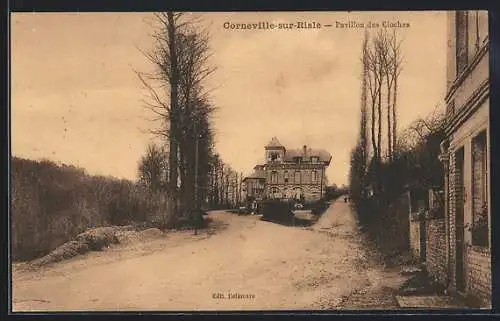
(322, 154)
(274, 143)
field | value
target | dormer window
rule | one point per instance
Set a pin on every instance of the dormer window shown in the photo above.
(462, 44)
(314, 159)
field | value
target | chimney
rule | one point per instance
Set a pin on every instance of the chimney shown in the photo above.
(305, 150)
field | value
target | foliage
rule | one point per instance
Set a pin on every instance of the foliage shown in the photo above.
(53, 203)
(277, 209)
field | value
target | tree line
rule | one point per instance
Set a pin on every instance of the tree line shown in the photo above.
(51, 204)
(221, 186)
(385, 161)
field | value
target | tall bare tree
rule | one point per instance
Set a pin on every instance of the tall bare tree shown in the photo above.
(180, 55)
(397, 62)
(371, 66)
(363, 120)
(383, 58)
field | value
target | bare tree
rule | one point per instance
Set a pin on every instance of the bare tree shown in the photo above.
(153, 167)
(164, 57)
(396, 61)
(180, 55)
(378, 42)
(371, 66)
(383, 60)
(363, 120)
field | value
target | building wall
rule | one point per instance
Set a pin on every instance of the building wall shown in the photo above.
(462, 137)
(436, 250)
(478, 271)
(468, 115)
(312, 190)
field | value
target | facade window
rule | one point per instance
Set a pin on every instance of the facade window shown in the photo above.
(285, 177)
(297, 193)
(274, 177)
(274, 192)
(297, 177)
(480, 225)
(462, 40)
(274, 156)
(297, 160)
(314, 159)
(314, 176)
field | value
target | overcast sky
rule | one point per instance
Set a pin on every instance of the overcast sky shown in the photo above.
(77, 100)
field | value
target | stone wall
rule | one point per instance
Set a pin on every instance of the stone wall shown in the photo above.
(436, 250)
(478, 271)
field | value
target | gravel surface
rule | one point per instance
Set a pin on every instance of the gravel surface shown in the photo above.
(239, 263)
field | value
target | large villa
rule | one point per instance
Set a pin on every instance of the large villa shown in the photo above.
(289, 173)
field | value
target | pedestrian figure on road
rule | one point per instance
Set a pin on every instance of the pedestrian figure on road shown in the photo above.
(254, 208)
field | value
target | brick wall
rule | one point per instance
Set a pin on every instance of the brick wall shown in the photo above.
(451, 218)
(415, 239)
(478, 271)
(477, 263)
(436, 250)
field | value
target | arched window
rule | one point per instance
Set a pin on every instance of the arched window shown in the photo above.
(297, 193)
(285, 175)
(274, 192)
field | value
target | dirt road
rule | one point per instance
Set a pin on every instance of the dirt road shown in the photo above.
(270, 266)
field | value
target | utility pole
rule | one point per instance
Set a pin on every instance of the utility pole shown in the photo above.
(321, 183)
(196, 179)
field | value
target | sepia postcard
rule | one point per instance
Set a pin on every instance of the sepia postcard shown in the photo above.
(250, 161)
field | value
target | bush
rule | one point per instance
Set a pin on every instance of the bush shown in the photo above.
(52, 204)
(277, 209)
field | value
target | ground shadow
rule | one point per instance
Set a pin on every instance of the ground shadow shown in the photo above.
(291, 221)
(214, 226)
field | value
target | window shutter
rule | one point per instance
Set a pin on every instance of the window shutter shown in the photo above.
(462, 41)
